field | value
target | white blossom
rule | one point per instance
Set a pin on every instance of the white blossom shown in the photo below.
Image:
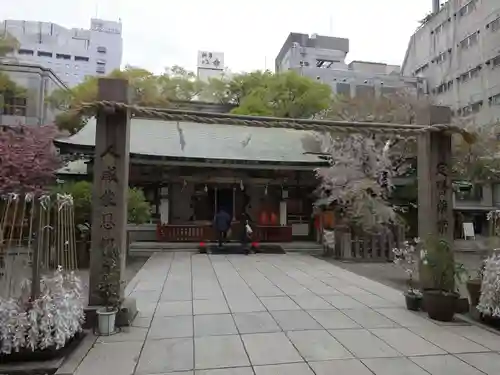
(489, 302)
(50, 320)
(360, 177)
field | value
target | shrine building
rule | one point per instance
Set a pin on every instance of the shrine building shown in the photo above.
(188, 171)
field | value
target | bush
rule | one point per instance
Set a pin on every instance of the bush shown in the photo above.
(139, 210)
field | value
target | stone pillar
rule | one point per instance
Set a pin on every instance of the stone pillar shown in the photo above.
(111, 172)
(435, 192)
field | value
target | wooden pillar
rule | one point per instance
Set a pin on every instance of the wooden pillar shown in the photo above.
(111, 172)
(435, 193)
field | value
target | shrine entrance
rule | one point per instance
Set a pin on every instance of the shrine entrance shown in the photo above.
(224, 200)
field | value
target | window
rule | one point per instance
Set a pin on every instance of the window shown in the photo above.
(44, 54)
(471, 74)
(100, 69)
(494, 25)
(441, 57)
(77, 67)
(422, 69)
(81, 58)
(14, 106)
(63, 56)
(67, 66)
(101, 49)
(470, 41)
(27, 52)
(473, 192)
(467, 9)
(101, 62)
(325, 64)
(495, 99)
(495, 62)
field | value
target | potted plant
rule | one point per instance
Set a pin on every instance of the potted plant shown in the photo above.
(109, 290)
(440, 301)
(405, 257)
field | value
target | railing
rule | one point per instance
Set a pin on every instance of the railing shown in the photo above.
(184, 233)
(350, 245)
(198, 233)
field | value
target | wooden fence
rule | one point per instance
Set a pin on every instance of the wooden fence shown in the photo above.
(356, 246)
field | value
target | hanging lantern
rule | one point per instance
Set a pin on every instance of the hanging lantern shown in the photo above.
(242, 187)
(184, 184)
(206, 188)
(265, 190)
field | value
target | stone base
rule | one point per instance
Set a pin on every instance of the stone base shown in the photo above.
(125, 316)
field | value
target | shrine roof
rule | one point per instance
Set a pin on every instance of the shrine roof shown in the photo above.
(161, 139)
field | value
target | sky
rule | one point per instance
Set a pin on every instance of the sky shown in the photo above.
(162, 33)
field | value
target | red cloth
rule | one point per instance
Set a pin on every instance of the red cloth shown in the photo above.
(274, 219)
(264, 218)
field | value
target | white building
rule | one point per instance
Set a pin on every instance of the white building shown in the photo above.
(71, 53)
(210, 65)
(324, 58)
(457, 50)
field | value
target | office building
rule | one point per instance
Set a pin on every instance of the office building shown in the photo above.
(73, 53)
(31, 108)
(323, 58)
(457, 50)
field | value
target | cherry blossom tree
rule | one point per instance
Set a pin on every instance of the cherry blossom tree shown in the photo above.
(28, 159)
(360, 177)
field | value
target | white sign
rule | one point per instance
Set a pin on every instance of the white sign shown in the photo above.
(469, 230)
(211, 60)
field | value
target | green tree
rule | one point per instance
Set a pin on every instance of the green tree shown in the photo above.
(148, 90)
(8, 43)
(280, 95)
(138, 209)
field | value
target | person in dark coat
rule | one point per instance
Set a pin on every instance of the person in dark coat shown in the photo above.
(222, 223)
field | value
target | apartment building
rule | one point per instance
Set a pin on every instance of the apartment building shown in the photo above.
(457, 50)
(72, 54)
(31, 108)
(323, 58)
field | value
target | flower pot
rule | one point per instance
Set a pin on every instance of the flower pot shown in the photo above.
(106, 321)
(440, 305)
(474, 289)
(413, 302)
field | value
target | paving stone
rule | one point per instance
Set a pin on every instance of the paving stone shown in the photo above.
(489, 363)
(333, 319)
(146, 310)
(295, 320)
(227, 371)
(168, 327)
(116, 358)
(270, 348)
(445, 365)
(211, 325)
(163, 356)
(407, 318)
(407, 342)
(142, 322)
(373, 301)
(318, 345)
(341, 367)
(481, 336)
(242, 305)
(210, 306)
(174, 308)
(364, 344)
(369, 318)
(312, 302)
(351, 290)
(286, 369)
(126, 334)
(447, 340)
(219, 351)
(324, 290)
(258, 322)
(146, 296)
(279, 303)
(393, 366)
(344, 302)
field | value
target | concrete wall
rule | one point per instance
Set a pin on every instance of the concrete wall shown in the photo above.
(462, 37)
(39, 83)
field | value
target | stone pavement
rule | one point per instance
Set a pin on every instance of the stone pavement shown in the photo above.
(280, 315)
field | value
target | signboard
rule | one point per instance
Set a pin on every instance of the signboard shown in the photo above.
(104, 28)
(469, 230)
(211, 60)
